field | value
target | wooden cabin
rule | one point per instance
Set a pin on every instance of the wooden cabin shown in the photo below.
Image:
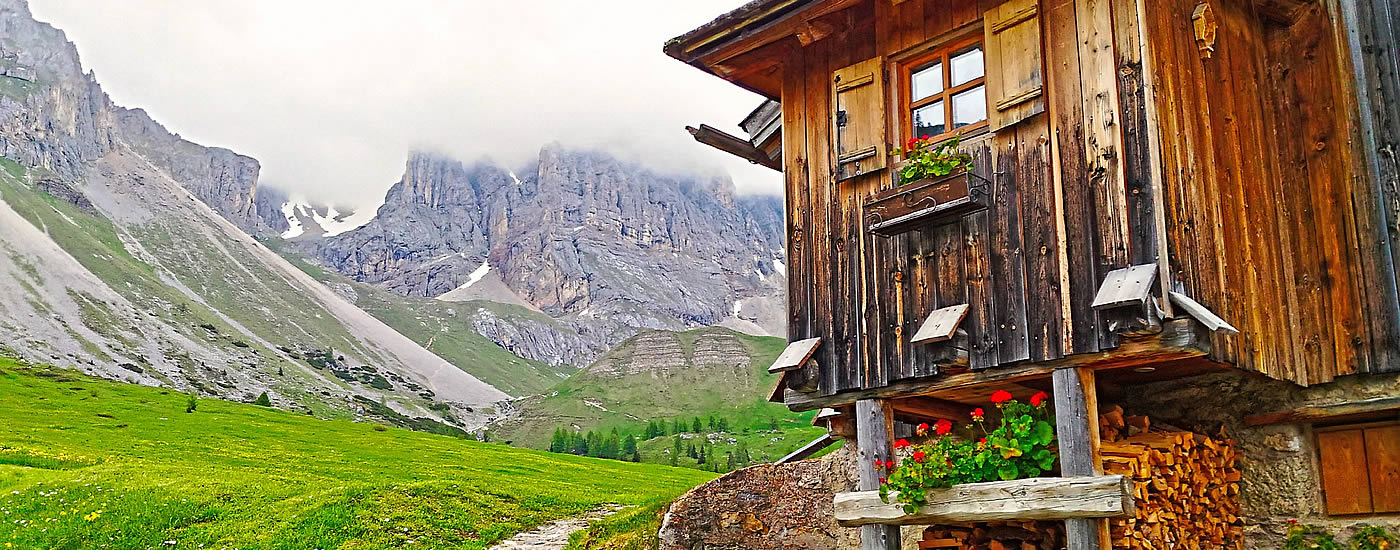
(1161, 189)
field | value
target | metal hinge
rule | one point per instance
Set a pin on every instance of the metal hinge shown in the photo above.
(841, 118)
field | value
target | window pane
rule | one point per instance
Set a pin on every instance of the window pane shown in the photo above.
(927, 81)
(967, 66)
(970, 107)
(928, 120)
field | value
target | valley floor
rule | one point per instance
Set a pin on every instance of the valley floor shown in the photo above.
(89, 463)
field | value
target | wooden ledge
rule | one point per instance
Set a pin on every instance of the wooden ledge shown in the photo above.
(1179, 339)
(1351, 410)
(1047, 498)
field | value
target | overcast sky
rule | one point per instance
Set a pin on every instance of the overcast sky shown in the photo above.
(331, 95)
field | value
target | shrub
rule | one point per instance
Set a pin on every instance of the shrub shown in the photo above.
(191, 404)
(263, 400)
(1302, 536)
(1019, 447)
(240, 344)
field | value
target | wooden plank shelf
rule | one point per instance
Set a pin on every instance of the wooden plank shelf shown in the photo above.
(1023, 499)
(922, 203)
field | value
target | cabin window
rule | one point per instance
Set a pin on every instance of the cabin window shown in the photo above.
(1360, 466)
(945, 91)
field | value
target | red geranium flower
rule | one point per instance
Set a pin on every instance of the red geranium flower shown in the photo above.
(925, 136)
(1001, 396)
(978, 413)
(879, 464)
(901, 444)
(919, 456)
(889, 465)
(923, 428)
(882, 481)
(944, 426)
(1038, 398)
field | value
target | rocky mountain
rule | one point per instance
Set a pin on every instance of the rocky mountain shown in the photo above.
(125, 249)
(604, 246)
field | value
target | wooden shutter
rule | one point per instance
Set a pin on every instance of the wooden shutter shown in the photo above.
(1383, 464)
(858, 118)
(1015, 86)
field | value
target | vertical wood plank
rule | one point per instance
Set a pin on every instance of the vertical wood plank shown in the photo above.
(1008, 266)
(1383, 461)
(1345, 478)
(874, 434)
(798, 208)
(1044, 312)
(1103, 137)
(818, 74)
(1067, 133)
(982, 313)
(1077, 429)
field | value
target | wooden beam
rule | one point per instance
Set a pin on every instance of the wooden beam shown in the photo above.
(1179, 339)
(736, 146)
(928, 408)
(874, 432)
(1038, 498)
(1077, 431)
(806, 451)
(1351, 410)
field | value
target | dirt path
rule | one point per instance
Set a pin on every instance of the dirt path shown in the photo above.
(554, 536)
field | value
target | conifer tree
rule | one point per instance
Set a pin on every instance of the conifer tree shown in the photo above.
(696, 427)
(629, 446)
(263, 400)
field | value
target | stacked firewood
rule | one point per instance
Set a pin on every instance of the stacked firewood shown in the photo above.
(1186, 487)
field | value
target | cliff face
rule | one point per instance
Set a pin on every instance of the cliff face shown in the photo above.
(606, 246)
(58, 118)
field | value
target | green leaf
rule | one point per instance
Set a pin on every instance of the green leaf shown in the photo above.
(1044, 458)
(1008, 472)
(1043, 433)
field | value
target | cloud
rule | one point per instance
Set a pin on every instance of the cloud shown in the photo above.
(331, 95)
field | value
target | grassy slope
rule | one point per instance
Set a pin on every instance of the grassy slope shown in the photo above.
(694, 392)
(445, 329)
(234, 475)
(94, 243)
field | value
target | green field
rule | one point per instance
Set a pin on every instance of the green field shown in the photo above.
(690, 387)
(86, 463)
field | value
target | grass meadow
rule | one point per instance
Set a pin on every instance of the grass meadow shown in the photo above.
(88, 463)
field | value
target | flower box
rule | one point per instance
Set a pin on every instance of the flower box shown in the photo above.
(923, 203)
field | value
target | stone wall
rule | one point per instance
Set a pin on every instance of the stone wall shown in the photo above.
(770, 507)
(1278, 464)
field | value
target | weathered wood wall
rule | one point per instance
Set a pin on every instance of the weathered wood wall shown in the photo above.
(1069, 194)
(1264, 187)
(1243, 168)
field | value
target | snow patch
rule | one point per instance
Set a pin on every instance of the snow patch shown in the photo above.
(780, 267)
(737, 306)
(514, 177)
(288, 210)
(760, 274)
(335, 223)
(478, 273)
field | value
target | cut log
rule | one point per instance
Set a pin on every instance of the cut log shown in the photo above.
(1023, 499)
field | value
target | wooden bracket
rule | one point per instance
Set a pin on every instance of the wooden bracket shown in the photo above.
(940, 325)
(1202, 313)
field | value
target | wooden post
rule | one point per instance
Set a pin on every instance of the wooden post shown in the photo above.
(874, 430)
(1077, 426)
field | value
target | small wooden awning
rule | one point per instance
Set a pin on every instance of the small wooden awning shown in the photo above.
(941, 325)
(795, 355)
